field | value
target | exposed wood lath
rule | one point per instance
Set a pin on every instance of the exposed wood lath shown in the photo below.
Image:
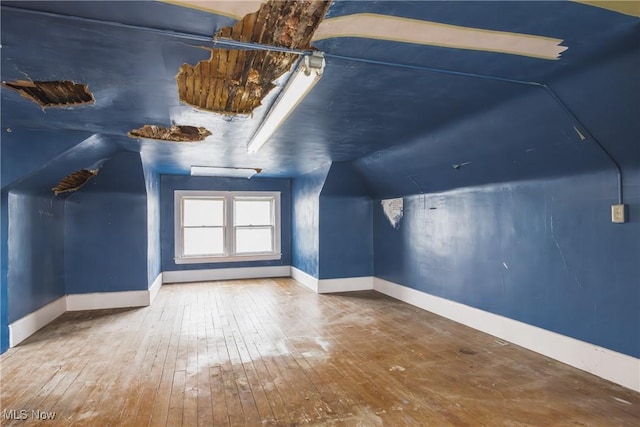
(236, 81)
(62, 93)
(174, 133)
(74, 181)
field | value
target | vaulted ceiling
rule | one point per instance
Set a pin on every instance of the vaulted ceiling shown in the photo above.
(410, 89)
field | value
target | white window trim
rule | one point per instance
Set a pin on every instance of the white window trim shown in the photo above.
(229, 237)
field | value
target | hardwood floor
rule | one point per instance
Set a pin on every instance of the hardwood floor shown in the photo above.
(270, 352)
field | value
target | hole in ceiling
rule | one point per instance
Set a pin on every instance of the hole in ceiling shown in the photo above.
(174, 133)
(235, 81)
(74, 181)
(59, 93)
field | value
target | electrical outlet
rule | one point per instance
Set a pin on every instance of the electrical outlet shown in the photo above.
(618, 214)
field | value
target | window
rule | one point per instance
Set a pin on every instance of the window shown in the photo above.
(213, 226)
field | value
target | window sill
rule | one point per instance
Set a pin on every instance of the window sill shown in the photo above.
(235, 258)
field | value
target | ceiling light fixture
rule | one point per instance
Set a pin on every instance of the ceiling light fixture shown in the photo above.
(224, 172)
(305, 76)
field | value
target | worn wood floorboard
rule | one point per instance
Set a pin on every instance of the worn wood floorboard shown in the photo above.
(270, 352)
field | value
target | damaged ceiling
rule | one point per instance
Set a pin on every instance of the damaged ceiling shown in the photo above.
(164, 71)
(74, 181)
(234, 81)
(63, 93)
(174, 133)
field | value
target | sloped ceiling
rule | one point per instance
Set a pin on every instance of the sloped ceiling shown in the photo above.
(379, 93)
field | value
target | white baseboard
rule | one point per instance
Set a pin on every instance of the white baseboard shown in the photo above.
(608, 364)
(102, 300)
(347, 284)
(304, 279)
(26, 326)
(327, 286)
(155, 288)
(182, 276)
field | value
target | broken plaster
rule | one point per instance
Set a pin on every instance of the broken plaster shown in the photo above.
(393, 210)
(175, 133)
(59, 93)
(236, 81)
(74, 181)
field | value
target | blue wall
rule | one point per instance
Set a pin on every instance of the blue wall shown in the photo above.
(332, 223)
(35, 251)
(33, 219)
(4, 264)
(526, 138)
(514, 217)
(346, 225)
(34, 149)
(542, 252)
(154, 255)
(605, 98)
(106, 230)
(171, 183)
(305, 236)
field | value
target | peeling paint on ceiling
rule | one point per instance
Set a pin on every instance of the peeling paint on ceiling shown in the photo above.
(233, 9)
(383, 27)
(235, 81)
(175, 133)
(627, 7)
(62, 93)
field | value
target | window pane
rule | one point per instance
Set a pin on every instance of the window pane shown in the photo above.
(252, 212)
(203, 241)
(200, 212)
(252, 240)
